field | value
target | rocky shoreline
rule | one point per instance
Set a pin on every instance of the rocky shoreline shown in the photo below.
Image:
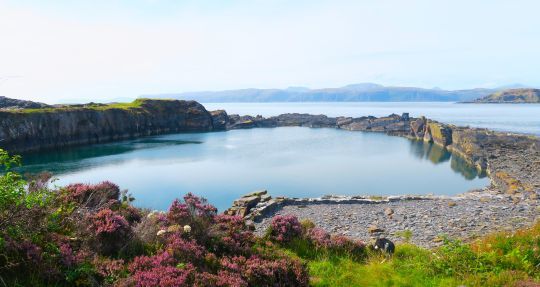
(423, 220)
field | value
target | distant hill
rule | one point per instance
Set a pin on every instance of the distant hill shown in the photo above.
(8, 103)
(364, 92)
(512, 96)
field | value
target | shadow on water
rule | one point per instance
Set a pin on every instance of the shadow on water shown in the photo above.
(437, 155)
(68, 159)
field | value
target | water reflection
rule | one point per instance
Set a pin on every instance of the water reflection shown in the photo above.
(438, 154)
(70, 159)
(294, 162)
(432, 152)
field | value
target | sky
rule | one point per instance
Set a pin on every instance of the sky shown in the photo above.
(62, 51)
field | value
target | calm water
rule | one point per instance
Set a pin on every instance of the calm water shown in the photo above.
(521, 118)
(295, 162)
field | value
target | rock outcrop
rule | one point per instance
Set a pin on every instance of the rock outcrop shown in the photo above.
(8, 103)
(253, 205)
(37, 129)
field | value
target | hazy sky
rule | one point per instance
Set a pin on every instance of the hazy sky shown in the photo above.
(68, 50)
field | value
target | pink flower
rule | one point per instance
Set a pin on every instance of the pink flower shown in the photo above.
(107, 221)
(165, 276)
(142, 263)
(185, 250)
(66, 255)
(285, 228)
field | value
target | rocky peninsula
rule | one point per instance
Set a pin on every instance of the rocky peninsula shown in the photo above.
(23, 130)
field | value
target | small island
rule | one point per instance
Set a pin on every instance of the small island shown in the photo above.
(514, 96)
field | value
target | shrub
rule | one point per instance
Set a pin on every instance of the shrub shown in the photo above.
(284, 228)
(92, 196)
(109, 231)
(142, 263)
(185, 250)
(234, 236)
(193, 208)
(264, 272)
(165, 276)
(222, 279)
(110, 270)
(130, 213)
(319, 237)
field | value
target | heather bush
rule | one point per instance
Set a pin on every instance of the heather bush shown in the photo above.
(185, 250)
(109, 232)
(92, 196)
(284, 228)
(233, 234)
(110, 270)
(221, 279)
(165, 276)
(132, 214)
(258, 271)
(194, 212)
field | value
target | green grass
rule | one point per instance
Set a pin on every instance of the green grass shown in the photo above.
(97, 107)
(501, 259)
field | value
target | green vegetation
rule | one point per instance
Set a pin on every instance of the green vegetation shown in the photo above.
(91, 106)
(91, 235)
(512, 96)
(501, 259)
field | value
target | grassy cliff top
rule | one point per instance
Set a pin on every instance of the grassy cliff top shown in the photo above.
(138, 103)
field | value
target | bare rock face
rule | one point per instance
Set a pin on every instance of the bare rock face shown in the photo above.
(440, 134)
(27, 130)
(220, 119)
(418, 127)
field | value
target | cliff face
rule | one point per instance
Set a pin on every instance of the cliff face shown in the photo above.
(28, 130)
(512, 96)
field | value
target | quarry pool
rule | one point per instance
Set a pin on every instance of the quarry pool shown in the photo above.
(288, 161)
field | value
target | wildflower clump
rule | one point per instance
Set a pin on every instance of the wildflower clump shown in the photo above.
(284, 228)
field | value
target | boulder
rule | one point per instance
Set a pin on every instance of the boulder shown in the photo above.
(440, 133)
(251, 204)
(220, 119)
(418, 127)
(375, 229)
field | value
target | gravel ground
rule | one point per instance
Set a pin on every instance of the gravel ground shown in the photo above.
(428, 220)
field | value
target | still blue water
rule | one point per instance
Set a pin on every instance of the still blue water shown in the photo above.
(294, 162)
(521, 118)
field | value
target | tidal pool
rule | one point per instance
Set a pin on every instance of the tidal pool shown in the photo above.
(288, 161)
